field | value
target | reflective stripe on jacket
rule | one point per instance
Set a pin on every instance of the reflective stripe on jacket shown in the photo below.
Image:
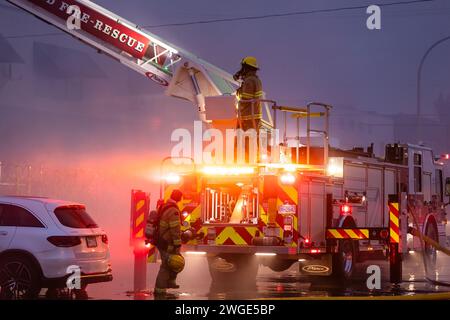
(251, 89)
(170, 225)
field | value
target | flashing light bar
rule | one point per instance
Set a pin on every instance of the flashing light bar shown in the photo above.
(265, 254)
(228, 171)
(172, 178)
(287, 178)
(288, 167)
(196, 253)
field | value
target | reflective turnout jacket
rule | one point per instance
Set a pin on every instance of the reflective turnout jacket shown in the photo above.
(251, 89)
(170, 224)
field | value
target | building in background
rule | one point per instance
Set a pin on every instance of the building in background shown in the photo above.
(435, 129)
(8, 59)
(351, 127)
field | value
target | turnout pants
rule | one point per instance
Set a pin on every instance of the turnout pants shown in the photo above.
(165, 276)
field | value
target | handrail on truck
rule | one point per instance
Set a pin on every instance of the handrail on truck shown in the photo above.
(305, 112)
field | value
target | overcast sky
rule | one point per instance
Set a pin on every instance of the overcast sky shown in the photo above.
(330, 57)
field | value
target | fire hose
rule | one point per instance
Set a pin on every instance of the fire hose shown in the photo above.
(431, 242)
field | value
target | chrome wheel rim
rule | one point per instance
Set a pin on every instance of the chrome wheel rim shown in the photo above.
(15, 280)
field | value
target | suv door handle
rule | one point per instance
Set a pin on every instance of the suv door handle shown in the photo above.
(3, 233)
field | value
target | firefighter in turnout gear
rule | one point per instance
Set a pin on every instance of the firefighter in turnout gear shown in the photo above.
(251, 89)
(169, 244)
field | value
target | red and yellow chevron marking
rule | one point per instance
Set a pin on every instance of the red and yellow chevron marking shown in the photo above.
(152, 253)
(394, 229)
(233, 235)
(341, 233)
(139, 221)
(287, 193)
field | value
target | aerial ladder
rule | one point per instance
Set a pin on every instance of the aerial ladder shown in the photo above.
(183, 74)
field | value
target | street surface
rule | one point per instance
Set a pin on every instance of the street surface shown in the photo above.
(195, 283)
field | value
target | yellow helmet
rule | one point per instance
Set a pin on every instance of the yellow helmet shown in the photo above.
(176, 262)
(250, 61)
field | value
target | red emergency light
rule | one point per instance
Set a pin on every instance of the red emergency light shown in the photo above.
(345, 209)
(384, 234)
(446, 156)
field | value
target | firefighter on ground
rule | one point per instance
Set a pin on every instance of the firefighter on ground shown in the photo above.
(169, 244)
(250, 89)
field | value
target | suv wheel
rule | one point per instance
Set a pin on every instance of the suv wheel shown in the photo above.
(19, 278)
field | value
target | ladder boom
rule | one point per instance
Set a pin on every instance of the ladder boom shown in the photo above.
(134, 47)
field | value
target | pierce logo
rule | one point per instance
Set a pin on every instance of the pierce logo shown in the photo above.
(157, 79)
(315, 268)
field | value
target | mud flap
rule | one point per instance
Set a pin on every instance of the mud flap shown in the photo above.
(317, 267)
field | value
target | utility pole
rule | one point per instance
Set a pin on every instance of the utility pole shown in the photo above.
(419, 80)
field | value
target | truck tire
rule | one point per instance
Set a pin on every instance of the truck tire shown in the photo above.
(232, 270)
(430, 253)
(19, 278)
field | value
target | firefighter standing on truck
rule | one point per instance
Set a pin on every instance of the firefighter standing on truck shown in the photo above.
(169, 244)
(251, 89)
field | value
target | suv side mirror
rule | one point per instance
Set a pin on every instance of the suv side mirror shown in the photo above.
(447, 187)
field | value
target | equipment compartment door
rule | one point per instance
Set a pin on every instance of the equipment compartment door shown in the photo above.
(312, 206)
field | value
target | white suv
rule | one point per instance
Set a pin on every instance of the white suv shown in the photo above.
(43, 241)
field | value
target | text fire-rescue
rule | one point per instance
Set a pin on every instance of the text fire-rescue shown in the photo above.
(103, 27)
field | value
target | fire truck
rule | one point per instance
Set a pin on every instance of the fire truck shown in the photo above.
(302, 202)
(326, 209)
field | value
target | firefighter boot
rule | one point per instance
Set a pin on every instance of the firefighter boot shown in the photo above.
(159, 292)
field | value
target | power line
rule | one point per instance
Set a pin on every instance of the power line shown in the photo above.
(233, 19)
(286, 14)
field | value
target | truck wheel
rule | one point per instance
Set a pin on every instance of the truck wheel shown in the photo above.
(430, 251)
(344, 261)
(19, 278)
(233, 270)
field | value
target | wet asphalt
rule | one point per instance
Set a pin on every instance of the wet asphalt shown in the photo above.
(195, 283)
